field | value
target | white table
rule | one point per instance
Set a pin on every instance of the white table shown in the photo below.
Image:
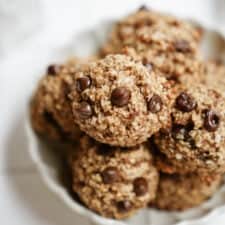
(24, 199)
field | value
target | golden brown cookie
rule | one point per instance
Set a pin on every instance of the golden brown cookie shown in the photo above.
(50, 110)
(118, 101)
(196, 140)
(164, 42)
(111, 181)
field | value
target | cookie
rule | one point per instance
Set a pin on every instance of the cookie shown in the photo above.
(50, 110)
(118, 101)
(161, 41)
(181, 192)
(215, 76)
(196, 140)
(111, 181)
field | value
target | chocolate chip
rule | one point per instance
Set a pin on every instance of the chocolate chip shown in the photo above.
(143, 8)
(124, 206)
(83, 83)
(120, 96)
(182, 46)
(84, 111)
(155, 104)
(110, 175)
(53, 69)
(140, 186)
(179, 132)
(185, 102)
(211, 120)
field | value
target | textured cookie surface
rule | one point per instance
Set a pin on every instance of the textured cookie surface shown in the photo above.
(113, 182)
(176, 192)
(50, 110)
(196, 140)
(164, 42)
(215, 76)
(118, 101)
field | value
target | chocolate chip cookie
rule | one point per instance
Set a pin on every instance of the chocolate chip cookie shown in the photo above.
(111, 181)
(196, 140)
(160, 41)
(118, 101)
(50, 110)
(180, 192)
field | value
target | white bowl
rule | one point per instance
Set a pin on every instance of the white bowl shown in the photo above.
(49, 165)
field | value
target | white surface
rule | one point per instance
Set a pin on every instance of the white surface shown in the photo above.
(24, 199)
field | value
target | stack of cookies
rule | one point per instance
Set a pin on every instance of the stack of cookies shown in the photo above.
(144, 119)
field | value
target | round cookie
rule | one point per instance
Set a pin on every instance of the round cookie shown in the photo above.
(161, 41)
(181, 192)
(118, 101)
(111, 181)
(50, 110)
(196, 140)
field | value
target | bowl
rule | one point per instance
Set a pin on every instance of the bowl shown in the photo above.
(50, 167)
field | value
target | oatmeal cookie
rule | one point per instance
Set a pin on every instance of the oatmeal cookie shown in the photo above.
(180, 192)
(50, 110)
(111, 181)
(196, 140)
(166, 43)
(118, 101)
